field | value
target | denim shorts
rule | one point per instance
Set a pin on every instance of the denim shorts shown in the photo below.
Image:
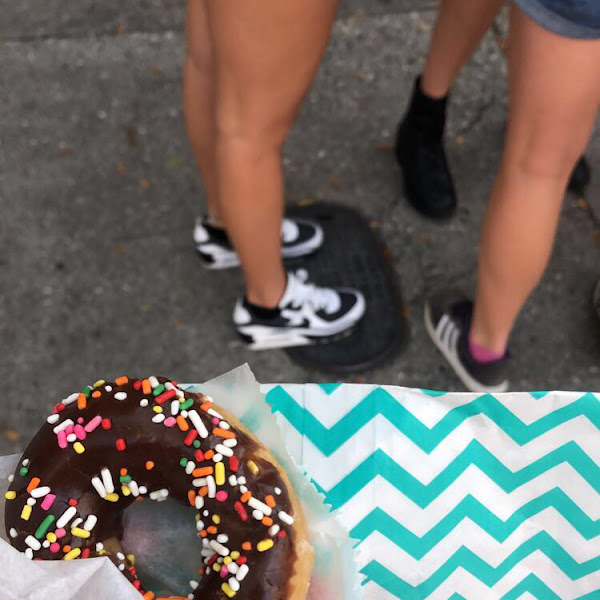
(579, 19)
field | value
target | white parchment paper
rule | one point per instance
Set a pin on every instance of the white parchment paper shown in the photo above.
(162, 536)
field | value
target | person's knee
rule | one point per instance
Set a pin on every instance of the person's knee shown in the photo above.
(549, 158)
(548, 164)
(257, 130)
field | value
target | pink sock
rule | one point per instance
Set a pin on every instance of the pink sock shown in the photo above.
(482, 354)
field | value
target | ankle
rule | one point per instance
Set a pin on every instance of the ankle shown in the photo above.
(268, 297)
(215, 221)
(487, 347)
(260, 311)
(425, 115)
(428, 105)
(482, 355)
(432, 89)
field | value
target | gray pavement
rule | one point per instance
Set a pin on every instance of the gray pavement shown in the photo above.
(99, 191)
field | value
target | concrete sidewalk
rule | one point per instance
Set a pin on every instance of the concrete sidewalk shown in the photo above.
(99, 192)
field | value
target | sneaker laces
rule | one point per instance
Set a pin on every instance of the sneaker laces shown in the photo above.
(318, 298)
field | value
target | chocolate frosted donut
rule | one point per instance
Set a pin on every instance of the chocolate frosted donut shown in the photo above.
(115, 443)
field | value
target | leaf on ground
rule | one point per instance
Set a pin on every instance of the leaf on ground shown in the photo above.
(406, 311)
(120, 248)
(360, 74)
(375, 224)
(11, 434)
(388, 256)
(387, 146)
(121, 170)
(460, 140)
(178, 324)
(359, 379)
(121, 29)
(596, 235)
(65, 151)
(424, 238)
(156, 70)
(306, 202)
(145, 184)
(582, 203)
(501, 41)
(335, 182)
(176, 161)
(145, 308)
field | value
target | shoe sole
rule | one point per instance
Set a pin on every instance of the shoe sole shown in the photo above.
(228, 263)
(292, 339)
(471, 384)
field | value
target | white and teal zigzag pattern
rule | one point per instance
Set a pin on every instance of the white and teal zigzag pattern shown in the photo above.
(456, 495)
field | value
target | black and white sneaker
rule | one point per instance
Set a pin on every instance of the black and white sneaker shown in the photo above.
(306, 314)
(299, 237)
(448, 321)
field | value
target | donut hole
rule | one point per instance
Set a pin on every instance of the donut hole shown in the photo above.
(163, 538)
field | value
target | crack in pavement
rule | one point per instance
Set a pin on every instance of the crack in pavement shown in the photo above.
(478, 116)
(100, 36)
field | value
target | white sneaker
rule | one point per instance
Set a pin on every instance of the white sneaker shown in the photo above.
(306, 314)
(299, 237)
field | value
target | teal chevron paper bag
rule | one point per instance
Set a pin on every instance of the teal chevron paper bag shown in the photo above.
(468, 496)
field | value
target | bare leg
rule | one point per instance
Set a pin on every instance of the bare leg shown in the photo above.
(459, 27)
(266, 55)
(554, 100)
(198, 98)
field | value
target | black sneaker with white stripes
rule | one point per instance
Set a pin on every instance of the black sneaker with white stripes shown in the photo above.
(306, 314)
(448, 317)
(299, 237)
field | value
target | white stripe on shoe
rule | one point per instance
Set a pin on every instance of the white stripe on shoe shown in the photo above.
(448, 331)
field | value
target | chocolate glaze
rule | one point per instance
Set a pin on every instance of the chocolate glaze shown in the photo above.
(69, 474)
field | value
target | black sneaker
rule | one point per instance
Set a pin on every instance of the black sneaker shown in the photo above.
(306, 314)
(420, 152)
(448, 322)
(580, 177)
(299, 237)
